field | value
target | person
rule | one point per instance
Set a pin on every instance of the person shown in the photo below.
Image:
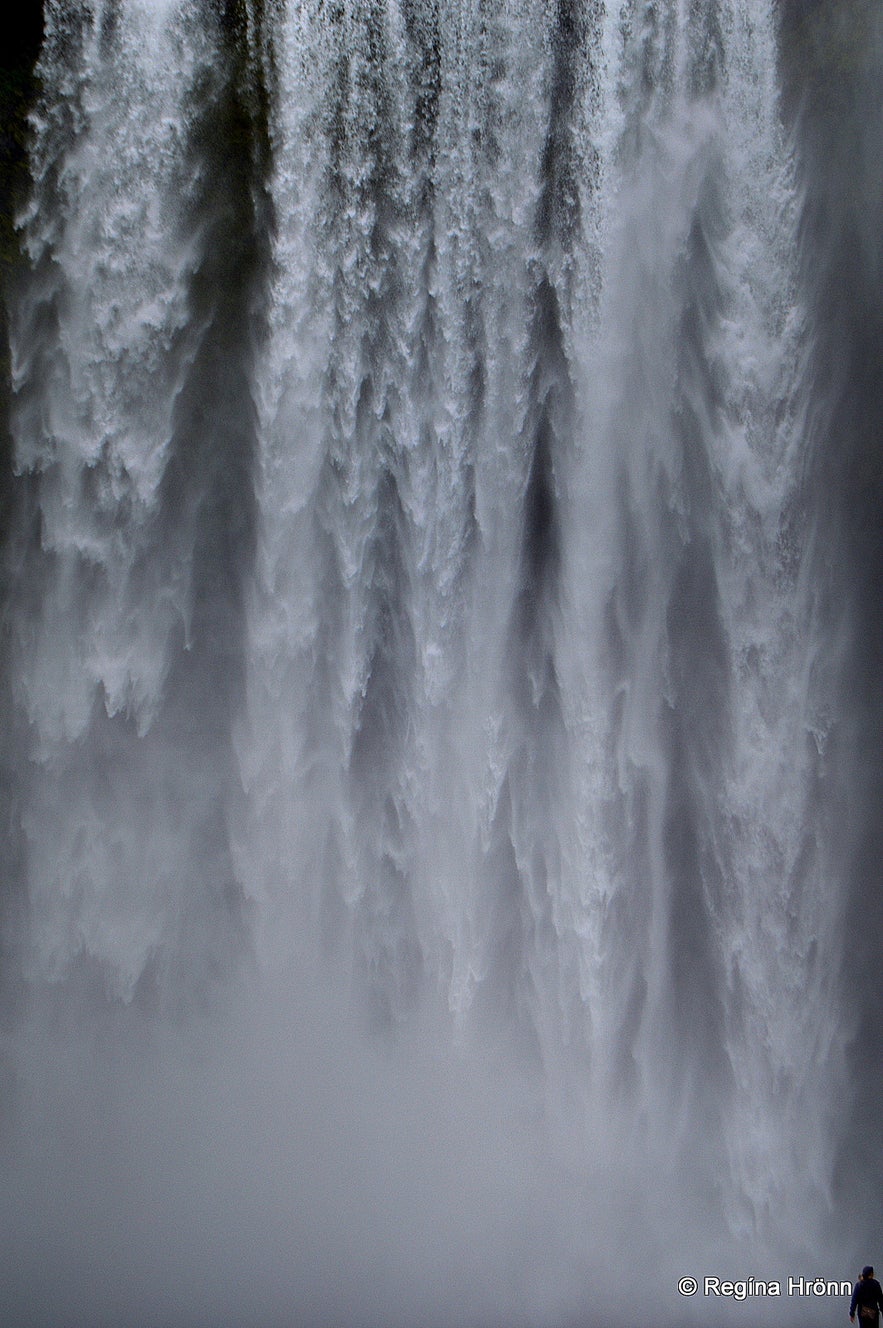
(867, 1298)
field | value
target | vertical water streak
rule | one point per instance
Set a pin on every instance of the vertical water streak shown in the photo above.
(358, 650)
(831, 67)
(712, 837)
(665, 632)
(207, 490)
(526, 862)
(133, 430)
(484, 189)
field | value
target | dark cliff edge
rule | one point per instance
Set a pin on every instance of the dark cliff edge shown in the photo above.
(18, 92)
(18, 88)
(831, 63)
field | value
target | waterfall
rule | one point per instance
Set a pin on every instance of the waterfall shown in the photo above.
(441, 652)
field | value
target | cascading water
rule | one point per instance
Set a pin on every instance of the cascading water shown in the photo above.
(441, 662)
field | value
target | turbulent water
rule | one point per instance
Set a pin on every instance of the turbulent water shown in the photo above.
(442, 643)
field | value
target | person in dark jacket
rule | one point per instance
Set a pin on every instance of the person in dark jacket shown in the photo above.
(867, 1299)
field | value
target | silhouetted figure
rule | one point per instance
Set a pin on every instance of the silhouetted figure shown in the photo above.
(867, 1298)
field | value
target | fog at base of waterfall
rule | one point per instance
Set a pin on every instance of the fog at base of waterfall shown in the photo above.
(273, 1166)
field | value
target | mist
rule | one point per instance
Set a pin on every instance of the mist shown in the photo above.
(276, 1166)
